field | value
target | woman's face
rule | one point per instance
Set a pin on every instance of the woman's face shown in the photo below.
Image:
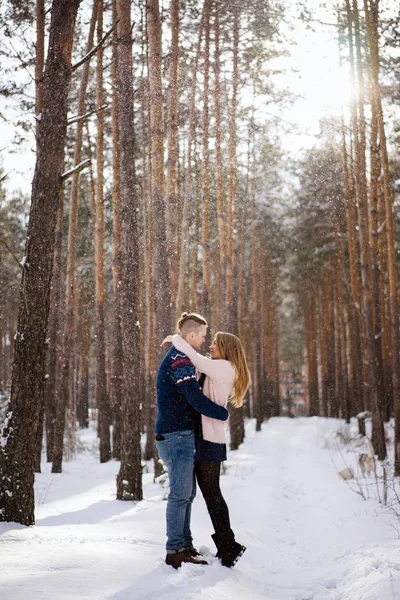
(214, 350)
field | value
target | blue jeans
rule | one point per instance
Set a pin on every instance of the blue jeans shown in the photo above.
(177, 452)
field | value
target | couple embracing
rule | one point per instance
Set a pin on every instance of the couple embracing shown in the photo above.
(190, 434)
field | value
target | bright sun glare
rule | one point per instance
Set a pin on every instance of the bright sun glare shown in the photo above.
(314, 74)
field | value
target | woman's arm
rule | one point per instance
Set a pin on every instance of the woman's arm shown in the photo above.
(215, 369)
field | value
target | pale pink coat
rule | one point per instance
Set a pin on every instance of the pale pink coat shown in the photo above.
(217, 386)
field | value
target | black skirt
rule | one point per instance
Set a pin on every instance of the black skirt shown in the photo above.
(209, 451)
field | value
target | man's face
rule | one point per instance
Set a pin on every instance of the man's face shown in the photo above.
(197, 338)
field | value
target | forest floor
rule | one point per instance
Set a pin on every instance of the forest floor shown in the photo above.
(309, 534)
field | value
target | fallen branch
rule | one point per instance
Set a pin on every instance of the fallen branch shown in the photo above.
(94, 50)
(4, 177)
(11, 252)
(76, 169)
(86, 115)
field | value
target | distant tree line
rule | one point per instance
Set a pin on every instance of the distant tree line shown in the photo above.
(346, 243)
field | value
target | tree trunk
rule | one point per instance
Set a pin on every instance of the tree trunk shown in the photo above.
(162, 288)
(375, 169)
(355, 299)
(39, 62)
(372, 13)
(100, 341)
(39, 67)
(26, 401)
(172, 193)
(323, 348)
(344, 398)
(365, 252)
(116, 379)
(219, 184)
(231, 216)
(183, 254)
(83, 343)
(205, 221)
(194, 294)
(255, 317)
(310, 325)
(129, 478)
(149, 355)
(55, 319)
(68, 338)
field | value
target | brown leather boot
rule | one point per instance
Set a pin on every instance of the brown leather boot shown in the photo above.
(192, 551)
(175, 559)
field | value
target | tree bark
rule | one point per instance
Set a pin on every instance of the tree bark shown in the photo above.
(26, 401)
(129, 478)
(55, 320)
(39, 63)
(116, 379)
(365, 250)
(205, 222)
(83, 344)
(231, 216)
(310, 325)
(100, 341)
(372, 14)
(183, 254)
(162, 288)
(172, 191)
(68, 337)
(355, 299)
(219, 184)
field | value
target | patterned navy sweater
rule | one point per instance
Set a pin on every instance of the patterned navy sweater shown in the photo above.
(179, 396)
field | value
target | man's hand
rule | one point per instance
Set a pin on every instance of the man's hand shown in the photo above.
(167, 340)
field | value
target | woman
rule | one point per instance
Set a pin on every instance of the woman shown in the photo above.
(227, 378)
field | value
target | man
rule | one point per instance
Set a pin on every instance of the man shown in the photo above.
(180, 402)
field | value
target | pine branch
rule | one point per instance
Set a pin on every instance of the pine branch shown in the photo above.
(76, 169)
(4, 177)
(94, 50)
(86, 115)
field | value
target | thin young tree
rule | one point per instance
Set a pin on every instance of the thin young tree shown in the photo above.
(184, 250)
(100, 341)
(310, 332)
(129, 478)
(205, 221)
(68, 325)
(172, 180)
(116, 379)
(162, 291)
(219, 184)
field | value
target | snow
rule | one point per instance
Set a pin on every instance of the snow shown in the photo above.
(309, 536)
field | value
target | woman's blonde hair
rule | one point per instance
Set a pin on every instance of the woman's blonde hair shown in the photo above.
(230, 348)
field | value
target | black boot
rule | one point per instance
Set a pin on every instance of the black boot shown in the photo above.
(228, 550)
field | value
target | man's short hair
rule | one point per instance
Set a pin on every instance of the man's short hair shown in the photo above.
(189, 322)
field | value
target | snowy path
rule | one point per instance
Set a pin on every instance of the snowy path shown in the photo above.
(309, 537)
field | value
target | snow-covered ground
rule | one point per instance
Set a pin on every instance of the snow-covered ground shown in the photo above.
(308, 535)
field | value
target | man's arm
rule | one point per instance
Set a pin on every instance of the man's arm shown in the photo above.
(197, 400)
(183, 375)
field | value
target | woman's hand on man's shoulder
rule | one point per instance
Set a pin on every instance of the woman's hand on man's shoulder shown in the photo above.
(166, 340)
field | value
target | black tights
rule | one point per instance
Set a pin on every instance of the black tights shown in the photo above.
(207, 475)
